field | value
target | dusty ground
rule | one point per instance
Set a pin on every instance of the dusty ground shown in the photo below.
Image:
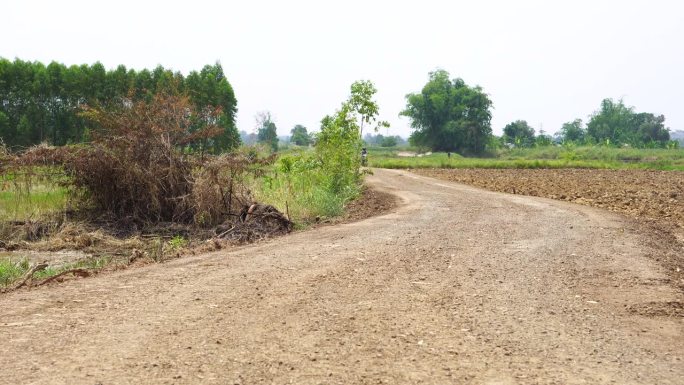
(456, 285)
(654, 198)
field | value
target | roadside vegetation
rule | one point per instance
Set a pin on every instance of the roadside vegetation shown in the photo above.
(551, 156)
(147, 187)
(127, 166)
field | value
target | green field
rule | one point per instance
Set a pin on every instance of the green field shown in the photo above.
(21, 201)
(596, 157)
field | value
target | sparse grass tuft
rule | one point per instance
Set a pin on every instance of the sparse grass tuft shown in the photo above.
(12, 269)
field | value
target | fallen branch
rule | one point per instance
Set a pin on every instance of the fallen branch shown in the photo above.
(225, 232)
(78, 272)
(29, 274)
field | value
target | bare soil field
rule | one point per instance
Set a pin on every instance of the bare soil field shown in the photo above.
(454, 285)
(643, 194)
(654, 198)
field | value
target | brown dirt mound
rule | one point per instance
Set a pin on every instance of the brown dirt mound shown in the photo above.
(369, 204)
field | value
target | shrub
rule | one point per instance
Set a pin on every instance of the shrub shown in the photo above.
(139, 166)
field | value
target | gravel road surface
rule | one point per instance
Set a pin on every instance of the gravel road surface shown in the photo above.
(456, 285)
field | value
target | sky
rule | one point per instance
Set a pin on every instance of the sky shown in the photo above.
(546, 62)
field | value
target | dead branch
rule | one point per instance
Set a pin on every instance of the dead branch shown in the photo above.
(29, 274)
(225, 232)
(78, 272)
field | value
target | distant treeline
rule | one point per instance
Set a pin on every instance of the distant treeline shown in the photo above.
(40, 103)
(613, 124)
(384, 141)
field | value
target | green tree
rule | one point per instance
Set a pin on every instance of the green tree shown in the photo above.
(300, 136)
(448, 115)
(573, 131)
(338, 144)
(611, 123)
(651, 128)
(388, 141)
(267, 131)
(209, 90)
(519, 133)
(615, 123)
(4, 127)
(543, 139)
(361, 101)
(45, 100)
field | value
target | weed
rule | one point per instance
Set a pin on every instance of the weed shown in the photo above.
(176, 243)
(11, 270)
(22, 201)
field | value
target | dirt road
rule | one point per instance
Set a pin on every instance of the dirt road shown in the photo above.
(457, 285)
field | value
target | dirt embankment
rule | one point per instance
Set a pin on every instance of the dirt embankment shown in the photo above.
(654, 198)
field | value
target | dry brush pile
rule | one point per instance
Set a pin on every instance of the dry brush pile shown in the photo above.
(145, 166)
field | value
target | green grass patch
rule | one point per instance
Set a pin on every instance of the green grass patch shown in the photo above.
(299, 185)
(550, 157)
(12, 269)
(20, 200)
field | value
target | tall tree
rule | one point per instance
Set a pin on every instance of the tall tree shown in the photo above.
(615, 123)
(650, 128)
(43, 103)
(267, 131)
(300, 136)
(519, 133)
(338, 144)
(573, 131)
(361, 101)
(610, 124)
(448, 115)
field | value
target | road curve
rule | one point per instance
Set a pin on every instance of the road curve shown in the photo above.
(457, 285)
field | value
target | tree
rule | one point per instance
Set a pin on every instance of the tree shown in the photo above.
(650, 128)
(543, 139)
(338, 144)
(610, 124)
(383, 141)
(448, 115)
(42, 103)
(615, 123)
(361, 101)
(573, 131)
(519, 133)
(388, 141)
(300, 136)
(209, 90)
(266, 130)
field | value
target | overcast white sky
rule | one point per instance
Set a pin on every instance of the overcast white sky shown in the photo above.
(547, 62)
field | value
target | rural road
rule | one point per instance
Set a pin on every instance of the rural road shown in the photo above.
(456, 285)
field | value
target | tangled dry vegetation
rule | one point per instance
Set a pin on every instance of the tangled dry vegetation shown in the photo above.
(145, 175)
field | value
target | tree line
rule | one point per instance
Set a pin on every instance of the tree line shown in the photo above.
(40, 103)
(613, 123)
(449, 115)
